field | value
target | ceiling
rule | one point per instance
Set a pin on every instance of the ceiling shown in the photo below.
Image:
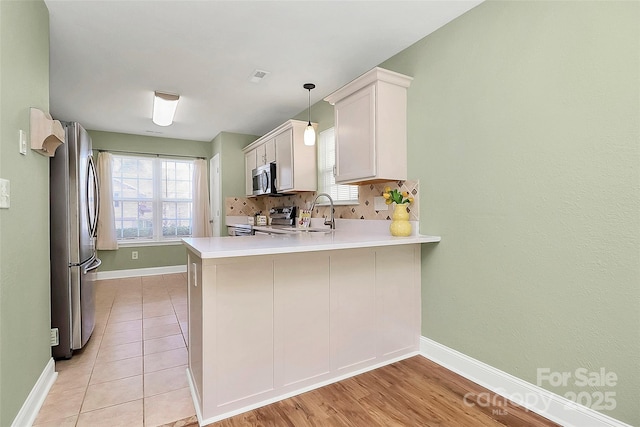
(108, 57)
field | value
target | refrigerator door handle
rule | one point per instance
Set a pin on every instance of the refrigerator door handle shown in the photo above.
(96, 183)
(92, 180)
(92, 266)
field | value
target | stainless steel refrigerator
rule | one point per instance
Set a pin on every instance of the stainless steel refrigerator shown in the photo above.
(74, 207)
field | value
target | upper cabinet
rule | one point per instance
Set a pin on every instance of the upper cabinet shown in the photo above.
(371, 128)
(296, 166)
(266, 153)
(285, 164)
(249, 165)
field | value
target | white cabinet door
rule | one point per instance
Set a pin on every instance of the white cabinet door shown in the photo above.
(355, 136)
(266, 153)
(243, 334)
(195, 324)
(301, 317)
(353, 322)
(270, 151)
(284, 160)
(249, 166)
(397, 314)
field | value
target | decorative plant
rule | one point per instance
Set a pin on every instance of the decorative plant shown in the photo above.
(395, 196)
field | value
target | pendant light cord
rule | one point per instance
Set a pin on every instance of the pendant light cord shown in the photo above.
(309, 109)
(309, 86)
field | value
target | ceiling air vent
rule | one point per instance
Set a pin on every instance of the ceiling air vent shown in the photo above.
(257, 76)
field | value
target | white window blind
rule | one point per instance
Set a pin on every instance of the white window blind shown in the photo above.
(341, 194)
(152, 198)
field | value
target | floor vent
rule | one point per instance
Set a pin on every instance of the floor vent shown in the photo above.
(55, 339)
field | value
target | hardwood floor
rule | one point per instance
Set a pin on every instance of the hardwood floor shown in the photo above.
(412, 392)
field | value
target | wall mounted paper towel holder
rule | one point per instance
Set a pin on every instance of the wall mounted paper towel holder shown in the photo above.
(46, 134)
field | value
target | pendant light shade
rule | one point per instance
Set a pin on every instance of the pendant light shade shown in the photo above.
(309, 132)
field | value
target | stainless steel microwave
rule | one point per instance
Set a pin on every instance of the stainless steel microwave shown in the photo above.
(264, 180)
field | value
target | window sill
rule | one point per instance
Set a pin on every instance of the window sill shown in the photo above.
(136, 244)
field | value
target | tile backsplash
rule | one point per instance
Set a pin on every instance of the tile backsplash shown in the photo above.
(240, 206)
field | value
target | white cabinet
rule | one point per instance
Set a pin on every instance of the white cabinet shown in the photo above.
(266, 153)
(301, 318)
(353, 316)
(296, 166)
(397, 286)
(243, 310)
(258, 156)
(195, 322)
(371, 128)
(249, 165)
(264, 327)
(284, 163)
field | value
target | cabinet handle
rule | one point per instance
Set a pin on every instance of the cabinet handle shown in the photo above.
(334, 170)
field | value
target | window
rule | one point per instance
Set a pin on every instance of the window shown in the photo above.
(341, 194)
(152, 197)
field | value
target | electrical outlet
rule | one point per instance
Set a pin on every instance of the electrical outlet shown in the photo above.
(379, 204)
(134, 254)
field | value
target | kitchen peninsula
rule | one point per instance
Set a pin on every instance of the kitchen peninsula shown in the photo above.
(271, 316)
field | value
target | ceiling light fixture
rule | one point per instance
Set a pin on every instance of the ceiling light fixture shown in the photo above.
(309, 132)
(164, 108)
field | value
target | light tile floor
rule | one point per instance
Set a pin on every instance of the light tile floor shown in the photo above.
(132, 372)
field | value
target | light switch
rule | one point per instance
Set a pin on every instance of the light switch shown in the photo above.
(22, 142)
(379, 204)
(5, 194)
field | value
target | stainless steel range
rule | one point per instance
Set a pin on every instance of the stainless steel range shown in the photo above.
(283, 216)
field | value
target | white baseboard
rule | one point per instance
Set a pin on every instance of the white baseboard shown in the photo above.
(137, 272)
(550, 405)
(30, 408)
(203, 422)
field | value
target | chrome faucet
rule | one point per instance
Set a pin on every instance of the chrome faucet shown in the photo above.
(332, 222)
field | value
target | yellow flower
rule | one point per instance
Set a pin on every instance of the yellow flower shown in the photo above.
(397, 197)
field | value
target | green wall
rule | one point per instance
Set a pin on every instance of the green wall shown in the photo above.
(321, 113)
(229, 146)
(24, 227)
(524, 133)
(149, 144)
(148, 256)
(523, 129)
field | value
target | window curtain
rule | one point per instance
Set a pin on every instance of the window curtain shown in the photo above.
(201, 225)
(107, 238)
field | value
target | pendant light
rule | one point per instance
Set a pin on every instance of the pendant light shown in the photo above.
(309, 132)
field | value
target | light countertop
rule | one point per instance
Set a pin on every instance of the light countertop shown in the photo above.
(227, 247)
